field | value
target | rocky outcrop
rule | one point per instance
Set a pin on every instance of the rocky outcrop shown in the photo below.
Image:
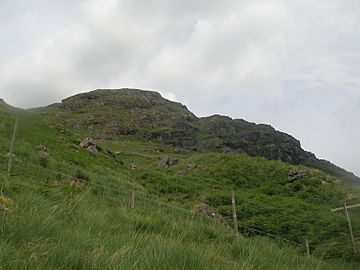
(229, 135)
(294, 175)
(42, 150)
(89, 145)
(207, 211)
(168, 162)
(145, 114)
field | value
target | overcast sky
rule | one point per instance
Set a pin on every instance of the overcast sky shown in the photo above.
(292, 64)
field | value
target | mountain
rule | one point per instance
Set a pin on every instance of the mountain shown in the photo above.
(110, 114)
(67, 202)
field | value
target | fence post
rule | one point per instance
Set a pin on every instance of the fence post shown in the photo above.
(133, 199)
(345, 208)
(12, 149)
(233, 202)
(350, 227)
(307, 247)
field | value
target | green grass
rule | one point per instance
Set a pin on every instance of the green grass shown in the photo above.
(53, 225)
(57, 228)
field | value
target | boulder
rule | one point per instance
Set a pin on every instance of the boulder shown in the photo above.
(207, 211)
(41, 149)
(294, 175)
(168, 162)
(89, 145)
(132, 166)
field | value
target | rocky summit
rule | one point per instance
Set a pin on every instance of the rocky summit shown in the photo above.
(110, 114)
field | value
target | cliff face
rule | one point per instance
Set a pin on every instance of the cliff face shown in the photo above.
(145, 114)
(255, 140)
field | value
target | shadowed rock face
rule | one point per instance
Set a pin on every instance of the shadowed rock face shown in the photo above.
(145, 114)
(255, 140)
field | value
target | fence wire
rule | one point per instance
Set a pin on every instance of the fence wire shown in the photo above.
(126, 191)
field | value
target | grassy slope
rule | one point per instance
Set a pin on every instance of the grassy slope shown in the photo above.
(52, 224)
(266, 201)
(106, 113)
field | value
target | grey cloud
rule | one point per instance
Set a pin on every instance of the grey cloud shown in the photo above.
(293, 64)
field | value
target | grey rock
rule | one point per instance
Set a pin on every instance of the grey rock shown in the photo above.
(89, 145)
(132, 166)
(207, 211)
(41, 149)
(294, 175)
(168, 162)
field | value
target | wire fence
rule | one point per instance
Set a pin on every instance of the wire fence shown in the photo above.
(209, 186)
(144, 199)
(125, 191)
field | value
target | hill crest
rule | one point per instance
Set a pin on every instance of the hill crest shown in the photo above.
(112, 113)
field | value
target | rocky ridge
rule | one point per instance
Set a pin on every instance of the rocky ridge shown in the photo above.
(110, 114)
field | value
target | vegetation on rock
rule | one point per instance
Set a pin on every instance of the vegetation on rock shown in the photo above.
(70, 208)
(145, 114)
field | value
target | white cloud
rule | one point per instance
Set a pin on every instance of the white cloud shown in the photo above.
(294, 64)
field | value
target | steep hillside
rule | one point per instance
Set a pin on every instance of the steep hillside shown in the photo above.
(223, 134)
(68, 206)
(110, 113)
(145, 114)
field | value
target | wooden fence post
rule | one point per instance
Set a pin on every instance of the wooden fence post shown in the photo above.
(345, 208)
(12, 149)
(133, 199)
(233, 202)
(307, 247)
(350, 227)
